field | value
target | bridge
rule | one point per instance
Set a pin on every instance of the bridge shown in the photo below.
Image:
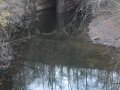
(60, 5)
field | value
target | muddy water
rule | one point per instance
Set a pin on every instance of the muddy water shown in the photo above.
(54, 63)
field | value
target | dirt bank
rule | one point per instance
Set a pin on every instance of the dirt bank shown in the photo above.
(105, 27)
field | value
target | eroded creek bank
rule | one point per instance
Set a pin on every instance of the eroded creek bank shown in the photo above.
(104, 28)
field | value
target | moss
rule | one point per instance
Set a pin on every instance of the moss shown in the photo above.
(3, 18)
(1, 1)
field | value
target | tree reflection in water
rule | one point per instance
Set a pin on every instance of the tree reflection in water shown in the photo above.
(52, 64)
(56, 77)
